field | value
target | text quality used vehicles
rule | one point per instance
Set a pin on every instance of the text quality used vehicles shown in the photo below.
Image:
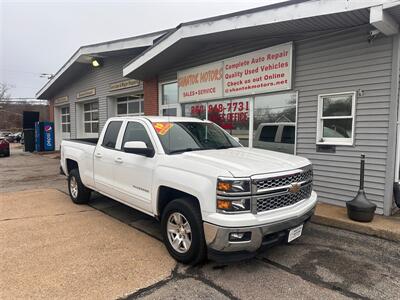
(212, 196)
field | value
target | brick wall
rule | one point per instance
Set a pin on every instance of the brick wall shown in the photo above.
(51, 111)
(150, 90)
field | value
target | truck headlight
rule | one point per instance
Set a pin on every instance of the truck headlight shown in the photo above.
(233, 205)
(233, 186)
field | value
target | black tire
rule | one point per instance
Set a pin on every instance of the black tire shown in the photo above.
(190, 210)
(83, 193)
(7, 153)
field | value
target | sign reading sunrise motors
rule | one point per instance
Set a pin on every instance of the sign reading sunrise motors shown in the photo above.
(262, 71)
(200, 83)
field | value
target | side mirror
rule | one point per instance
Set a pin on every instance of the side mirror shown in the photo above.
(137, 147)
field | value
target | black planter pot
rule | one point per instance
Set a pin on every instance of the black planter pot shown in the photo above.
(396, 191)
(360, 208)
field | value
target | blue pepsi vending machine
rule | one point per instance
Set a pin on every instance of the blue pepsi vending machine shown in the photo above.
(44, 136)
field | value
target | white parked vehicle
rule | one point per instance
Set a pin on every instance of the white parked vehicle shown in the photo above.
(212, 196)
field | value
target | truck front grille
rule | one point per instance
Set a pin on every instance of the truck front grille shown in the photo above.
(281, 181)
(279, 200)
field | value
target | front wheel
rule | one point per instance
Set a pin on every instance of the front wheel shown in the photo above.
(79, 193)
(182, 229)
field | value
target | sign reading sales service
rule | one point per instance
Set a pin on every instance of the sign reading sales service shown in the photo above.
(200, 83)
(262, 71)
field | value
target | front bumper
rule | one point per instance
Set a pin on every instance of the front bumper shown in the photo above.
(217, 237)
(4, 150)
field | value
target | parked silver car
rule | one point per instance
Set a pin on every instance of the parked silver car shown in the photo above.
(276, 137)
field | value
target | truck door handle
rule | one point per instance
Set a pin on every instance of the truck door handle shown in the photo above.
(98, 155)
(118, 160)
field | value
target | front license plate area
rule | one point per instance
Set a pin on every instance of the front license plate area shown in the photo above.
(294, 233)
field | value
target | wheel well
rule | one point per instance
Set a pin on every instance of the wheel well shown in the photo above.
(71, 164)
(167, 194)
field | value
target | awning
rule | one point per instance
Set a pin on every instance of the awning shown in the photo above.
(292, 19)
(82, 58)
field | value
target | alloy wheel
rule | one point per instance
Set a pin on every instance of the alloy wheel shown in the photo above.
(179, 232)
(73, 187)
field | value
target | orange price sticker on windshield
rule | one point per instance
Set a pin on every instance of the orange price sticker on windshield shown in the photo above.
(162, 127)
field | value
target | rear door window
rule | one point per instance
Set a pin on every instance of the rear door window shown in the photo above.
(268, 133)
(111, 135)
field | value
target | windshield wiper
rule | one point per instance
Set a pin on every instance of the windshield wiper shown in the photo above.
(225, 147)
(184, 150)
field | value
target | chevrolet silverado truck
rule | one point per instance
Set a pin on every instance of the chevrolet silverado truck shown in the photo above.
(213, 197)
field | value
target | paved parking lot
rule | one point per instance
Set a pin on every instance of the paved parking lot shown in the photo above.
(54, 249)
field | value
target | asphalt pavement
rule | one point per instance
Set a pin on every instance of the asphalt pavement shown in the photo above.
(324, 263)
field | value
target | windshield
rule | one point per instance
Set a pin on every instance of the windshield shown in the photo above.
(178, 137)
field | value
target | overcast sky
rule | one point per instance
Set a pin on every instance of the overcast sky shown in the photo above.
(39, 36)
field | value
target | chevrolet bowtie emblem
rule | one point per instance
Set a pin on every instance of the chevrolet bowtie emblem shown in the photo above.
(294, 187)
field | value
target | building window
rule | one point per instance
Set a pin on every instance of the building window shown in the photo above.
(274, 119)
(336, 114)
(91, 117)
(65, 120)
(275, 122)
(231, 115)
(169, 105)
(195, 110)
(130, 106)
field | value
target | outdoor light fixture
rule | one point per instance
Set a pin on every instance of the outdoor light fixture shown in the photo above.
(96, 62)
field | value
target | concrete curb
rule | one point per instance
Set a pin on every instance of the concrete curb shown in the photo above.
(336, 216)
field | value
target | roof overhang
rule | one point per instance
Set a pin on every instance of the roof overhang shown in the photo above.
(84, 55)
(282, 18)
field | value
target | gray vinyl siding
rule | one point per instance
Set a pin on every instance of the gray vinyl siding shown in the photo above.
(341, 63)
(100, 79)
(338, 62)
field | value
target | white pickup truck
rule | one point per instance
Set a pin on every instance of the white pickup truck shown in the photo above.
(213, 196)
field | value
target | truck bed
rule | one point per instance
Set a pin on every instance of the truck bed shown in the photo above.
(81, 151)
(92, 141)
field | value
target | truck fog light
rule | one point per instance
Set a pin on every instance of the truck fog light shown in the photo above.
(224, 204)
(240, 236)
(234, 205)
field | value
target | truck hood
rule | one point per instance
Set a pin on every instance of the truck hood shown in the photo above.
(244, 162)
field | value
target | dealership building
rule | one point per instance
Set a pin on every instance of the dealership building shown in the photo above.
(319, 79)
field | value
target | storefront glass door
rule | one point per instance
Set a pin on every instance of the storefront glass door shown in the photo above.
(169, 105)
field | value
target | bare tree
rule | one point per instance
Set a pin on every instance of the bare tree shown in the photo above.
(4, 91)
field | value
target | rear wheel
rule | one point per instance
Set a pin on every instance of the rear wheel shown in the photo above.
(79, 193)
(182, 229)
(7, 153)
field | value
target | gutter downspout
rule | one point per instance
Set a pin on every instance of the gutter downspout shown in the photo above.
(397, 166)
(392, 157)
